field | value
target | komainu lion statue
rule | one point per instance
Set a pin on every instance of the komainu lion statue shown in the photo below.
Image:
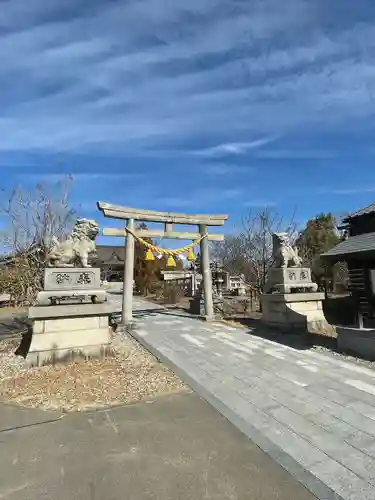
(284, 255)
(75, 250)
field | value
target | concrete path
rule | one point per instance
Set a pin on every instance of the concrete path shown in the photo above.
(14, 417)
(312, 413)
(172, 448)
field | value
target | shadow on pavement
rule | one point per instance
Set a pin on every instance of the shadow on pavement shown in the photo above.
(297, 340)
(165, 311)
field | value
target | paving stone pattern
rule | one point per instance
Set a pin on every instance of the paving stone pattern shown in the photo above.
(313, 413)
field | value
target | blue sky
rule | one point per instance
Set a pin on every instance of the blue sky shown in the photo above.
(200, 106)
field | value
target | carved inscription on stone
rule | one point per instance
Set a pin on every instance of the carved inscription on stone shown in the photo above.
(62, 278)
(72, 278)
(287, 280)
(84, 279)
(303, 275)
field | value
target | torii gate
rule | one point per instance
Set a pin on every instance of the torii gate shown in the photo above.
(168, 218)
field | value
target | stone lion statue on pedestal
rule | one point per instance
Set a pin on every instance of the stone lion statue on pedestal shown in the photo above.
(75, 250)
(284, 255)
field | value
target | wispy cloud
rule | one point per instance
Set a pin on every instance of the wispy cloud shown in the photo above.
(259, 204)
(296, 154)
(136, 75)
(153, 107)
(222, 169)
(348, 191)
(201, 198)
(79, 177)
(232, 148)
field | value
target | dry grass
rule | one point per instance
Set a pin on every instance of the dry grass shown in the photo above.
(133, 374)
(9, 311)
(232, 322)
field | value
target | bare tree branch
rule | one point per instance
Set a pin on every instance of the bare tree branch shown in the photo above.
(249, 252)
(35, 219)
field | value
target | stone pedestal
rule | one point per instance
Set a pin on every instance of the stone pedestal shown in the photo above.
(61, 333)
(64, 285)
(295, 311)
(289, 280)
(63, 329)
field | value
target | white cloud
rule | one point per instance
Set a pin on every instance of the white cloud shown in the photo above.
(134, 76)
(298, 154)
(226, 169)
(348, 191)
(80, 177)
(200, 198)
(174, 201)
(259, 203)
(232, 148)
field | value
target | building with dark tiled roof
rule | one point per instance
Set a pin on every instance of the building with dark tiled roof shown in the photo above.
(358, 250)
(370, 209)
(111, 260)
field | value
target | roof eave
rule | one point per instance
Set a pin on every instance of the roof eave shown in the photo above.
(348, 256)
(334, 257)
(356, 215)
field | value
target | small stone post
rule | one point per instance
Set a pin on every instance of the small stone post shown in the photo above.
(359, 320)
(127, 292)
(206, 275)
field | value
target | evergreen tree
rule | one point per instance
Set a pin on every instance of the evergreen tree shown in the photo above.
(319, 236)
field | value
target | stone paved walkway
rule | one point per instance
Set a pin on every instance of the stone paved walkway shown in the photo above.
(313, 413)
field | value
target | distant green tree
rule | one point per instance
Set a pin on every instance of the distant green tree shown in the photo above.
(319, 236)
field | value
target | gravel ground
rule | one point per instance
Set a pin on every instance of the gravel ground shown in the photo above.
(132, 374)
(344, 356)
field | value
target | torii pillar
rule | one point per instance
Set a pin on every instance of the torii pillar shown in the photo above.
(168, 219)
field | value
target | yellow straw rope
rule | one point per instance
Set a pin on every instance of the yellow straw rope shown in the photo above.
(164, 251)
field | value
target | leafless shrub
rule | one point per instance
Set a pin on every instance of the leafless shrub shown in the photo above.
(249, 252)
(34, 219)
(172, 293)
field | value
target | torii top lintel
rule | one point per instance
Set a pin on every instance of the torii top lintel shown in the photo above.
(119, 212)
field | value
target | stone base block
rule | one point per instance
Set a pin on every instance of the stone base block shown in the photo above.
(359, 341)
(296, 311)
(65, 296)
(55, 356)
(67, 339)
(75, 310)
(61, 333)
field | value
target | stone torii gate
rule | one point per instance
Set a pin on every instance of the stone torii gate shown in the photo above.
(130, 215)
